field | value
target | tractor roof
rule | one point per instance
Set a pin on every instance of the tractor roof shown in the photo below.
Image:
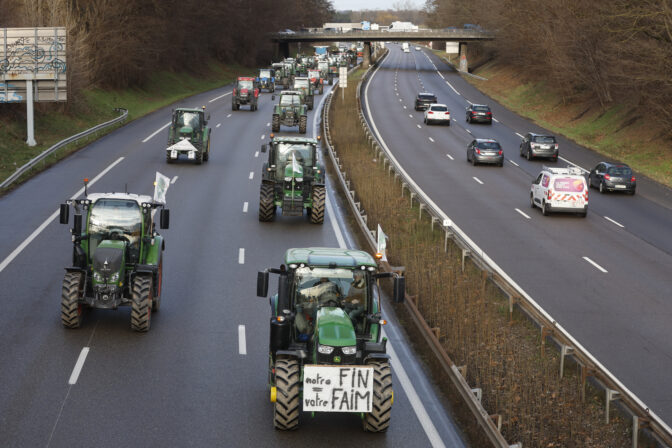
(188, 109)
(139, 198)
(286, 139)
(327, 257)
(245, 78)
(290, 92)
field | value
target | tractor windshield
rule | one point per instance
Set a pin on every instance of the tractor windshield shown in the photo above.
(245, 84)
(190, 119)
(265, 74)
(301, 83)
(319, 286)
(290, 100)
(301, 152)
(115, 218)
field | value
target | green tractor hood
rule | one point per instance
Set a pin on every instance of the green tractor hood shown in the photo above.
(108, 260)
(334, 327)
(186, 130)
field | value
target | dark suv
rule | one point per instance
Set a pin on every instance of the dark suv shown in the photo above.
(479, 113)
(612, 177)
(424, 99)
(538, 145)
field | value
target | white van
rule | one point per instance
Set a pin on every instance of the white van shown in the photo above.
(560, 190)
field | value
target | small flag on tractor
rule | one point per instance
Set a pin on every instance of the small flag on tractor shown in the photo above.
(161, 185)
(381, 245)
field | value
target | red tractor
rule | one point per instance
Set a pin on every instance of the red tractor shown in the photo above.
(316, 80)
(246, 91)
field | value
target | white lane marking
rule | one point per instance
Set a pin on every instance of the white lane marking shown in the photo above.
(495, 120)
(268, 124)
(174, 179)
(451, 86)
(53, 216)
(256, 154)
(251, 175)
(618, 224)
(478, 180)
(228, 116)
(78, 366)
(595, 264)
(522, 213)
(218, 125)
(245, 204)
(468, 131)
(450, 157)
(241, 256)
(441, 75)
(404, 107)
(419, 127)
(156, 132)
(220, 96)
(431, 139)
(513, 163)
(410, 115)
(263, 136)
(519, 135)
(572, 163)
(468, 101)
(242, 346)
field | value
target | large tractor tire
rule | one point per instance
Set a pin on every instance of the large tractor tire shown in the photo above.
(156, 300)
(206, 156)
(141, 303)
(233, 106)
(275, 123)
(331, 81)
(310, 103)
(321, 89)
(266, 206)
(378, 420)
(287, 403)
(303, 124)
(317, 210)
(168, 158)
(199, 158)
(71, 309)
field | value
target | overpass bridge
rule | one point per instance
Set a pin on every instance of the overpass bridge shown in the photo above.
(463, 36)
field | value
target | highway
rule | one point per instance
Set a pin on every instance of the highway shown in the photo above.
(199, 376)
(605, 278)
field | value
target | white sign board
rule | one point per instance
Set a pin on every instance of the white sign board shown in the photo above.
(32, 54)
(343, 77)
(337, 388)
(452, 47)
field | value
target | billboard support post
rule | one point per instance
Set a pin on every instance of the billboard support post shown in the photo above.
(30, 113)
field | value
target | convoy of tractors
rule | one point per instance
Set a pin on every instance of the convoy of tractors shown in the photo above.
(325, 318)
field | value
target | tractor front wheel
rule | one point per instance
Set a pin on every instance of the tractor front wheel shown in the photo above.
(287, 403)
(378, 420)
(266, 207)
(275, 123)
(303, 124)
(141, 303)
(156, 302)
(317, 210)
(71, 309)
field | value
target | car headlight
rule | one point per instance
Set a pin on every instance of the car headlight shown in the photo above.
(325, 349)
(349, 350)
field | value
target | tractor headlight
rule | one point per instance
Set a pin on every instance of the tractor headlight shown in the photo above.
(349, 350)
(299, 179)
(114, 278)
(288, 179)
(97, 276)
(325, 349)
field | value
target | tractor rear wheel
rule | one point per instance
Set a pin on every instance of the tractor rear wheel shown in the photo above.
(266, 207)
(233, 106)
(141, 303)
(71, 309)
(303, 124)
(199, 158)
(287, 403)
(156, 302)
(321, 89)
(275, 123)
(317, 210)
(378, 420)
(310, 104)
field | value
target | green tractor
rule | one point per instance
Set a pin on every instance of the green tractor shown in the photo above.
(303, 85)
(323, 67)
(288, 73)
(290, 111)
(292, 179)
(189, 135)
(117, 258)
(326, 351)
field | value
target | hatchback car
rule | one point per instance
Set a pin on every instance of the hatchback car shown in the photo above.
(612, 177)
(437, 113)
(479, 113)
(424, 99)
(485, 150)
(539, 145)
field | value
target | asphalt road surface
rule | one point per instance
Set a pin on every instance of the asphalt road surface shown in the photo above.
(605, 278)
(198, 378)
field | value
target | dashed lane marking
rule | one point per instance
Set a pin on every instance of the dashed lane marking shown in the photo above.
(78, 366)
(220, 96)
(600, 268)
(617, 223)
(522, 213)
(241, 256)
(245, 204)
(156, 132)
(478, 180)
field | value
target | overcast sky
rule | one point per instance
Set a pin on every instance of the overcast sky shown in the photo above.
(357, 5)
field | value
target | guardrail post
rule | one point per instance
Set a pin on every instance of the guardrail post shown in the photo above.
(403, 187)
(422, 206)
(564, 351)
(611, 395)
(434, 219)
(478, 392)
(412, 196)
(465, 254)
(545, 331)
(497, 420)
(585, 373)
(463, 371)
(448, 234)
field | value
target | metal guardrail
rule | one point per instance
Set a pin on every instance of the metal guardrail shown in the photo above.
(468, 394)
(643, 416)
(20, 171)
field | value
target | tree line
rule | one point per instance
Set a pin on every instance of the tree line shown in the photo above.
(610, 51)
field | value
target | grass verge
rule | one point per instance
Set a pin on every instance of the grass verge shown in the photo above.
(504, 354)
(54, 122)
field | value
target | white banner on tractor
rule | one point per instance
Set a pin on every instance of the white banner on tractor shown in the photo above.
(381, 244)
(161, 185)
(337, 388)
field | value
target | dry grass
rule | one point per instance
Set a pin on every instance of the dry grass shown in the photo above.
(503, 354)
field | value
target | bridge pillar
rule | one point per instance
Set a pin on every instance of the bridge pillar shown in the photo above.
(366, 56)
(283, 49)
(464, 64)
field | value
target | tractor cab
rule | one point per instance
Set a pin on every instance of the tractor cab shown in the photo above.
(188, 122)
(189, 135)
(266, 79)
